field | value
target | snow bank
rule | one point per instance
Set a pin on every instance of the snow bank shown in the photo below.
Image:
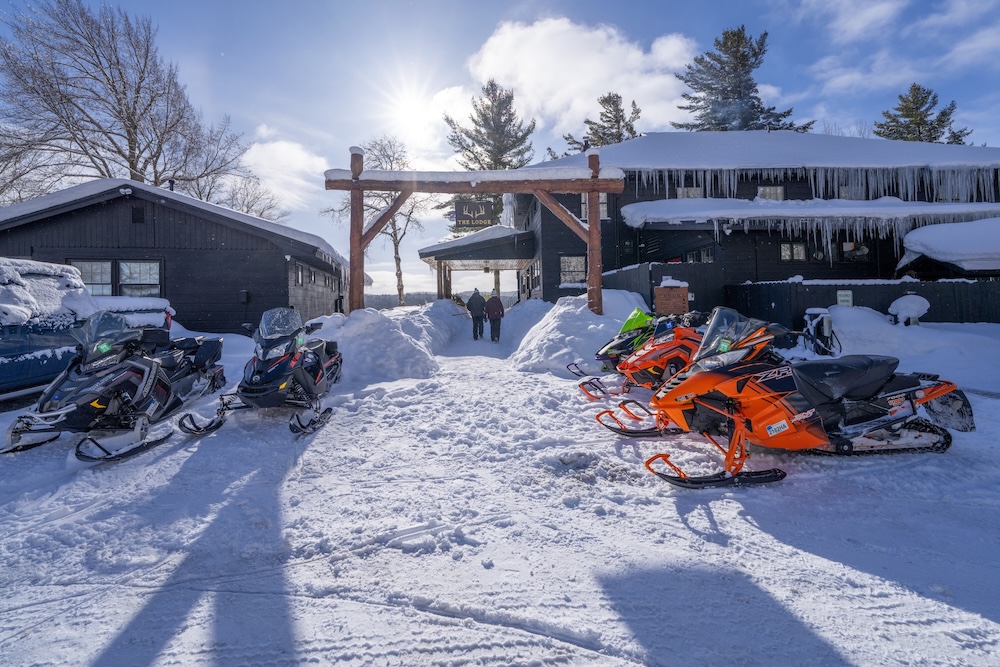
(375, 347)
(432, 325)
(42, 293)
(957, 356)
(570, 332)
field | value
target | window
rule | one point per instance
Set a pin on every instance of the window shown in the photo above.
(572, 269)
(793, 251)
(704, 255)
(96, 276)
(312, 276)
(120, 278)
(138, 214)
(771, 192)
(691, 193)
(138, 278)
(298, 274)
(603, 200)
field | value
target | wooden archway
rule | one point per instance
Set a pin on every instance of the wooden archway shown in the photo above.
(540, 182)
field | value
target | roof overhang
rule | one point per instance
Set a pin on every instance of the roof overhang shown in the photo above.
(492, 249)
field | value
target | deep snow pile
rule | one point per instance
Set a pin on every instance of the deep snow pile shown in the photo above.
(476, 514)
(570, 333)
(42, 293)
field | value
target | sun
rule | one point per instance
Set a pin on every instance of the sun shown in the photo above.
(410, 113)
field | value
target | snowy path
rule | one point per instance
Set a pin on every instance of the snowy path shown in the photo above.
(480, 516)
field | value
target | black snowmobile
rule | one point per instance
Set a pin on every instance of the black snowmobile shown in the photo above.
(121, 381)
(287, 369)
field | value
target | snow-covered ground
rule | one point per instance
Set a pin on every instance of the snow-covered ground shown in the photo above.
(463, 507)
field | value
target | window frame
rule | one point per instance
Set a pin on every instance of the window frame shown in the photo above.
(565, 271)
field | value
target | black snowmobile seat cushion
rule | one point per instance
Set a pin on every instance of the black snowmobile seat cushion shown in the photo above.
(855, 377)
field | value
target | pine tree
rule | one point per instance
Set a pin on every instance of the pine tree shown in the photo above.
(913, 119)
(725, 94)
(498, 138)
(613, 127)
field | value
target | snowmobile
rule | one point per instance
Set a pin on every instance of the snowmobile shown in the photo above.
(635, 331)
(739, 389)
(121, 381)
(287, 369)
(668, 350)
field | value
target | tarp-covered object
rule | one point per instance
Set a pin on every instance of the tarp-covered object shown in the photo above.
(42, 293)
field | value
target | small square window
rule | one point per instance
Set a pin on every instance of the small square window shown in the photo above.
(96, 276)
(793, 252)
(774, 192)
(691, 193)
(603, 199)
(572, 269)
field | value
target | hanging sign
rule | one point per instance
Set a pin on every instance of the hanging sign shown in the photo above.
(473, 214)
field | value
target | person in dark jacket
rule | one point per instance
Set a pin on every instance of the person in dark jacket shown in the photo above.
(477, 308)
(494, 313)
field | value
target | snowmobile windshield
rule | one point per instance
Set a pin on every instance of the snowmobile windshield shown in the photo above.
(279, 322)
(664, 329)
(726, 328)
(99, 327)
(636, 320)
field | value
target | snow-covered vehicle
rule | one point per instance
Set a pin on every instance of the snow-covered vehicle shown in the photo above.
(40, 304)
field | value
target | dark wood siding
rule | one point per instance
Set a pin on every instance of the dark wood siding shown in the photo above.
(215, 276)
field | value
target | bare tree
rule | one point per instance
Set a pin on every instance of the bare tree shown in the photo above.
(89, 95)
(389, 154)
(247, 195)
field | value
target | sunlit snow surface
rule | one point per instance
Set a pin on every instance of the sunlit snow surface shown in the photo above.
(463, 507)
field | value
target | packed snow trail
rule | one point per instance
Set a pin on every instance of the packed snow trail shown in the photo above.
(479, 515)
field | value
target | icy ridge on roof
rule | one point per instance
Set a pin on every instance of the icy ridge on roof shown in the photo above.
(835, 167)
(487, 176)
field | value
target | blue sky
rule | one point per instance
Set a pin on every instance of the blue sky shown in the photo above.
(305, 80)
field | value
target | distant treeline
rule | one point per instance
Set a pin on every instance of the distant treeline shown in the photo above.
(380, 301)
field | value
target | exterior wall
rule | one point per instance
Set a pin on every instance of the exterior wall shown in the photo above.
(216, 277)
(317, 294)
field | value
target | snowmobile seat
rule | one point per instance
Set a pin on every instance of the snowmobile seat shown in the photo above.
(187, 343)
(209, 352)
(169, 359)
(154, 338)
(854, 377)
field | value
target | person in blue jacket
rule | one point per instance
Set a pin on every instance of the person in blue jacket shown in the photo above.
(477, 308)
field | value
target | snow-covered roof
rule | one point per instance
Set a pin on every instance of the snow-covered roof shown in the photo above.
(102, 185)
(972, 246)
(492, 233)
(778, 150)
(676, 211)
(546, 171)
(847, 167)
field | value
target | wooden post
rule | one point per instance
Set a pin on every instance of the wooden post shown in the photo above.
(447, 282)
(595, 298)
(440, 279)
(356, 290)
(496, 281)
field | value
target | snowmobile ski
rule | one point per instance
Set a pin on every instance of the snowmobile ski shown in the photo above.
(718, 480)
(118, 445)
(636, 411)
(297, 426)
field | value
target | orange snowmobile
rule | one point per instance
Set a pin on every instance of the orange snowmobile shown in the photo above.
(669, 349)
(738, 389)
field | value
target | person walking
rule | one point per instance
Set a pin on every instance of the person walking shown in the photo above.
(494, 313)
(477, 308)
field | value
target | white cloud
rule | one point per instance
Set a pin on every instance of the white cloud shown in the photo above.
(853, 20)
(982, 48)
(559, 68)
(953, 14)
(289, 170)
(883, 70)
